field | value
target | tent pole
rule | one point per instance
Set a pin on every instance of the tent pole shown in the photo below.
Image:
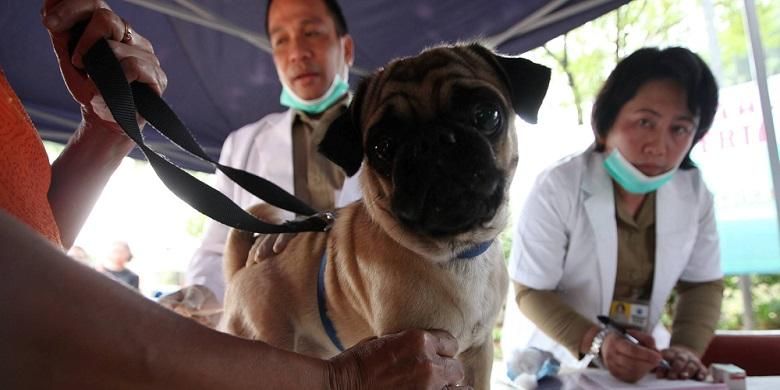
(712, 39)
(213, 22)
(758, 71)
(541, 19)
(196, 9)
(561, 15)
(748, 315)
(56, 119)
(519, 27)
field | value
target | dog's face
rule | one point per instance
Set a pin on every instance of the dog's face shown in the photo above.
(436, 132)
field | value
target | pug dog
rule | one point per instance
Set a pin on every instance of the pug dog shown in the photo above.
(435, 137)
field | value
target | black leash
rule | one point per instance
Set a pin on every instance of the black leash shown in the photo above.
(125, 100)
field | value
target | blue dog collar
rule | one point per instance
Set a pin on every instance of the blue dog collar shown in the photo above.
(475, 250)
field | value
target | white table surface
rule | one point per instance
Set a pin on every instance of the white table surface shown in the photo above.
(763, 382)
(499, 382)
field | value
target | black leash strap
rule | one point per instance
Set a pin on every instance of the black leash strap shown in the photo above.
(122, 99)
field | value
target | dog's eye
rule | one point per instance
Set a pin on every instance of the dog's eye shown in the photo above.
(383, 153)
(384, 149)
(486, 117)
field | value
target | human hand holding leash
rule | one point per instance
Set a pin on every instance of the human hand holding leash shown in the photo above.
(98, 144)
(134, 52)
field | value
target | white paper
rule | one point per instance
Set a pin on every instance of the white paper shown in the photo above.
(602, 379)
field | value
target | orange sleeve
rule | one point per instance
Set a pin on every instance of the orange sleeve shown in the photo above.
(25, 172)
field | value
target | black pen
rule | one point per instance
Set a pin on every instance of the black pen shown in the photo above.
(622, 331)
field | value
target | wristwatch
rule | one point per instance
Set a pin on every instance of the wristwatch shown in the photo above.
(594, 354)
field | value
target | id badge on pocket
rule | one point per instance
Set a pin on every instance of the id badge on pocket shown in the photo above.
(630, 313)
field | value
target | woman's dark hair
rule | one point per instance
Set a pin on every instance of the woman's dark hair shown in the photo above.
(678, 64)
(333, 9)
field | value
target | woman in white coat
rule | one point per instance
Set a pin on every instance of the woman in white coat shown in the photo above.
(613, 230)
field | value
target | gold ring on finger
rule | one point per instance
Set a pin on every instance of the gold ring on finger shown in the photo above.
(127, 37)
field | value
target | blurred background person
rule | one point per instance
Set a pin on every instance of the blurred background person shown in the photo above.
(80, 254)
(115, 264)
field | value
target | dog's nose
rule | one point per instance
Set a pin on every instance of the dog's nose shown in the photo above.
(484, 183)
(408, 215)
(416, 214)
(447, 137)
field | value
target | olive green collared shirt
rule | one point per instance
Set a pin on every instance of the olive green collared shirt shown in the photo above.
(315, 177)
(635, 251)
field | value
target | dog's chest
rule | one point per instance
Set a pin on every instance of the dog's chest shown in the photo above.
(462, 297)
(480, 289)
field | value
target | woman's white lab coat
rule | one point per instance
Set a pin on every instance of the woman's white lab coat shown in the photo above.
(566, 240)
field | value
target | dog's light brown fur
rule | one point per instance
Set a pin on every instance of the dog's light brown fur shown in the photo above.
(275, 300)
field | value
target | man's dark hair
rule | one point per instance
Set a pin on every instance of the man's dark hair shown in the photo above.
(333, 9)
(678, 64)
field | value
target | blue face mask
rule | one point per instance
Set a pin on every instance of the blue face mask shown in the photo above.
(631, 178)
(315, 106)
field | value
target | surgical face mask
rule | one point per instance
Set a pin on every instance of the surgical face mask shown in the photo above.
(631, 178)
(337, 89)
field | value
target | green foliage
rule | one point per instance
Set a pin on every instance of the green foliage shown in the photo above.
(766, 301)
(731, 309)
(644, 23)
(765, 290)
(497, 352)
(172, 278)
(196, 224)
(585, 62)
(733, 43)
(506, 242)
(733, 40)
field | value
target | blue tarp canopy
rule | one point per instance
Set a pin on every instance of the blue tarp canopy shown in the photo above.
(220, 72)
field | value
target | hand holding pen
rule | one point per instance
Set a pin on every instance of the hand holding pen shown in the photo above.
(607, 322)
(676, 362)
(629, 354)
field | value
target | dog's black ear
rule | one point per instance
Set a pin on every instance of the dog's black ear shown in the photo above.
(527, 82)
(343, 141)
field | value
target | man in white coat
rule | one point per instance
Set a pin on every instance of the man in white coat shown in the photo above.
(312, 52)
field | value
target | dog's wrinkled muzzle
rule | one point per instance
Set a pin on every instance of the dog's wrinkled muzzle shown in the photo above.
(446, 182)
